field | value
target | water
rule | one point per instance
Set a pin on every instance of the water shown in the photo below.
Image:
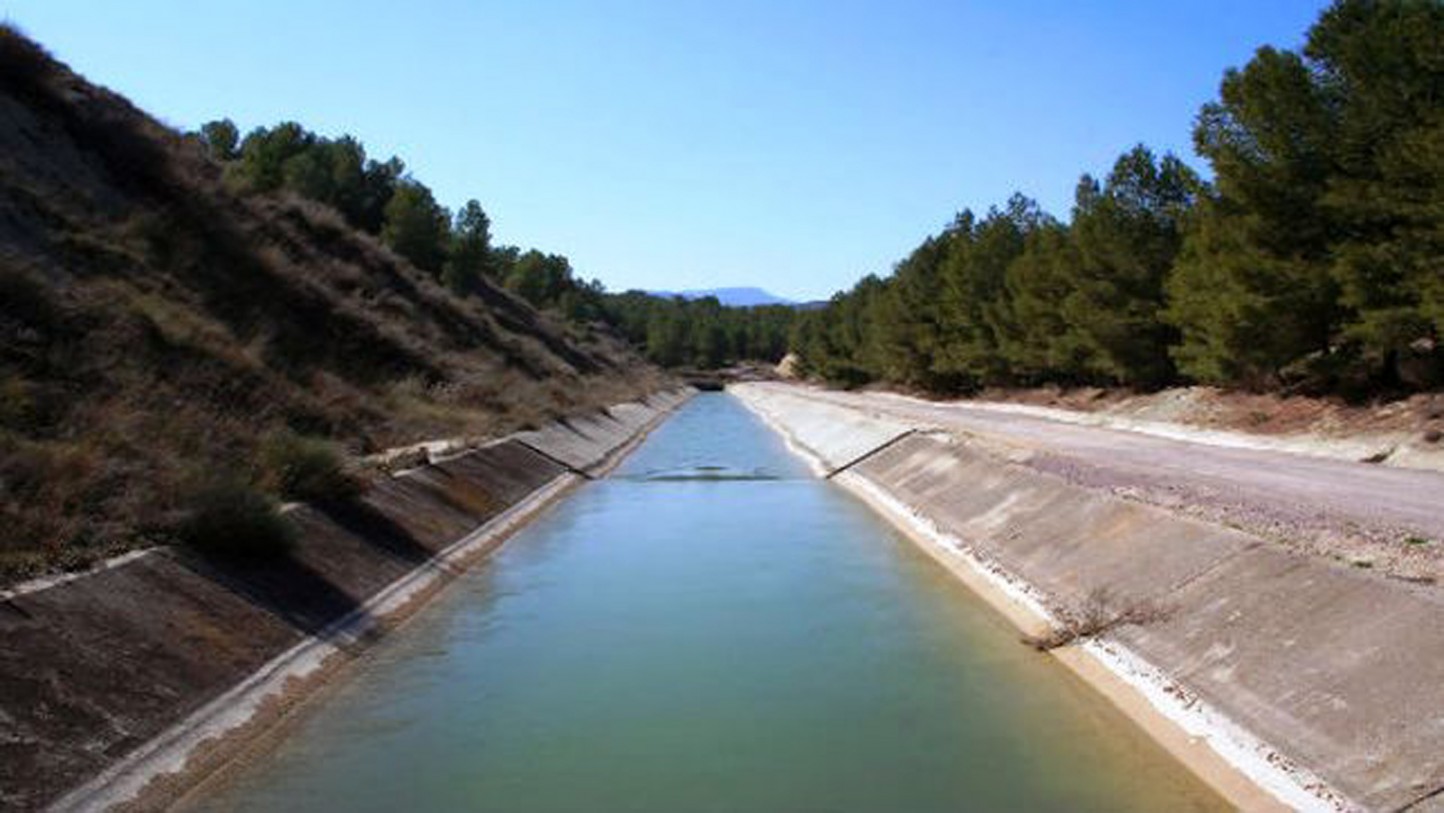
(710, 629)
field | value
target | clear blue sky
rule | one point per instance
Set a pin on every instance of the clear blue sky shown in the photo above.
(676, 144)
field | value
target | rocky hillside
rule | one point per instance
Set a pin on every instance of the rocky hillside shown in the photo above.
(157, 327)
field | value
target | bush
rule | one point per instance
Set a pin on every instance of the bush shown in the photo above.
(233, 520)
(1099, 614)
(306, 468)
(16, 404)
(24, 63)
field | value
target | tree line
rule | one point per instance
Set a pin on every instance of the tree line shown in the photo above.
(703, 333)
(1313, 259)
(382, 199)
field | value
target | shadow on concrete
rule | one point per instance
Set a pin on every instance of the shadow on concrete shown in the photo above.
(370, 525)
(289, 589)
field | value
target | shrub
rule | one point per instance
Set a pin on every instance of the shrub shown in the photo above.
(233, 520)
(24, 63)
(306, 468)
(1098, 615)
(16, 404)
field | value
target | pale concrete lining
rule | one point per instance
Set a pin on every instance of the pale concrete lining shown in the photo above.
(838, 436)
(585, 443)
(1249, 777)
(1321, 682)
(1341, 668)
(1065, 541)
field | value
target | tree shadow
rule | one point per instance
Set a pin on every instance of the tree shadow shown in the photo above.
(291, 590)
(372, 526)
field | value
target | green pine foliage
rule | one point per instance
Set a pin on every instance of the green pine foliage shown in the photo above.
(417, 227)
(701, 333)
(381, 199)
(1313, 260)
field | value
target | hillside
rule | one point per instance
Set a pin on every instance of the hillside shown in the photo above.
(160, 326)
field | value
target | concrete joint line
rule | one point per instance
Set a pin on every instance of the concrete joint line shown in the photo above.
(1421, 800)
(865, 455)
(1209, 568)
(564, 464)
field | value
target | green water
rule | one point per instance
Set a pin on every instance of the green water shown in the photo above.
(709, 629)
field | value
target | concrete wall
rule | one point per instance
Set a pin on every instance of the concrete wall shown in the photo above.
(1317, 675)
(584, 443)
(832, 436)
(96, 670)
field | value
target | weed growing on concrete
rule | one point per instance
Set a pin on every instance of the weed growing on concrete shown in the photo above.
(1098, 614)
(230, 519)
(307, 468)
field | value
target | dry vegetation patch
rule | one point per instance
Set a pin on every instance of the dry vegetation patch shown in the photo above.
(1099, 613)
(175, 353)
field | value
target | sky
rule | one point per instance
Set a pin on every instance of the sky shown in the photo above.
(675, 144)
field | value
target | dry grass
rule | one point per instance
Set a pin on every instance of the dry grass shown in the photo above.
(156, 328)
(1099, 613)
(307, 469)
(232, 520)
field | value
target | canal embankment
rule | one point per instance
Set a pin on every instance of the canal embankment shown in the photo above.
(127, 683)
(708, 627)
(1282, 678)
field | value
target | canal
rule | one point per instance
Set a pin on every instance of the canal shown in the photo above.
(711, 628)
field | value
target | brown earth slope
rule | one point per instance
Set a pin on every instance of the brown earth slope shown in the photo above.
(156, 326)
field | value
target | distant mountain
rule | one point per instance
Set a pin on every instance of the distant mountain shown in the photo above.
(731, 297)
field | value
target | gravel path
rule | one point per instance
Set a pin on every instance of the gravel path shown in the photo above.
(1367, 515)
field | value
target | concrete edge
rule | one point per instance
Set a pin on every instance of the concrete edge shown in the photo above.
(1391, 445)
(126, 781)
(162, 769)
(1248, 772)
(1236, 751)
(41, 583)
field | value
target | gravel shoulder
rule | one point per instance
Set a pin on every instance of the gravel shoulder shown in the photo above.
(1366, 515)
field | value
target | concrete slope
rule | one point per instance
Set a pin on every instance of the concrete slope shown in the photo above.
(1318, 681)
(1347, 510)
(838, 437)
(111, 678)
(585, 443)
(1364, 493)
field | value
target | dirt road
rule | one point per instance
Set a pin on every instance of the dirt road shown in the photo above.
(1366, 515)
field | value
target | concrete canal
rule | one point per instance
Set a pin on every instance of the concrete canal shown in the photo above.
(709, 628)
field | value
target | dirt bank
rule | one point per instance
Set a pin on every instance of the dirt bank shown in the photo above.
(115, 683)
